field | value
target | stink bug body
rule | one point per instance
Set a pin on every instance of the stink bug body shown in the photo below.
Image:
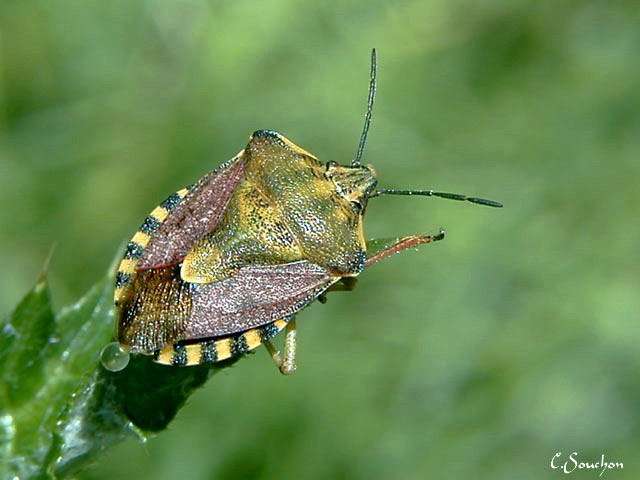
(222, 266)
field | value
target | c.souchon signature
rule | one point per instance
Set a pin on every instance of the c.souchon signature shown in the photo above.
(571, 463)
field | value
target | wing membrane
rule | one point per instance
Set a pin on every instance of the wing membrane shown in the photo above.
(162, 308)
(255, 296)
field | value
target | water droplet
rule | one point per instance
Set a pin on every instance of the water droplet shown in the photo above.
(114, 357)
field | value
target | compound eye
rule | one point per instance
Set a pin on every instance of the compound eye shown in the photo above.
(357, 206)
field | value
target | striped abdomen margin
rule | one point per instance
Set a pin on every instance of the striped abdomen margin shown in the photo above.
(141, 239)
(218, 349)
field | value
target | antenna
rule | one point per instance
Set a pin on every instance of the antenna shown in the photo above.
(367, 117)
(433, 193)
(391, 191)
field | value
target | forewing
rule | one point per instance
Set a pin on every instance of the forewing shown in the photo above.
(196, 214)
(161, 308)
(255, 296)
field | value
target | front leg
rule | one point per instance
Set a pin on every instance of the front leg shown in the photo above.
(346, 284)
(403, 244)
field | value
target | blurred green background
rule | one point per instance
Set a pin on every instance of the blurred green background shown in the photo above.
(477, 357)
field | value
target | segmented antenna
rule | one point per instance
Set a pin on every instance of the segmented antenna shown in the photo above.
(367, 117)
(391, 191)
(433, 193)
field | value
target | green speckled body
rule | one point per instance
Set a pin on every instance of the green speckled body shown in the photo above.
(289, 207)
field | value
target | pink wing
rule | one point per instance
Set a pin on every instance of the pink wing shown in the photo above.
(257, 295)
(163, 309)
(192, 217)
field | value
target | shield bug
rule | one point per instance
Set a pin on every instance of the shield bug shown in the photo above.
(222, 266)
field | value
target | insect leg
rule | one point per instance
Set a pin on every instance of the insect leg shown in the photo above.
(404, 243)
(346, 284)
(286, 363)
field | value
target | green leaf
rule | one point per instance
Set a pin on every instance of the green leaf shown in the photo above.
(26, 343)
(24, 346)
(58, 406)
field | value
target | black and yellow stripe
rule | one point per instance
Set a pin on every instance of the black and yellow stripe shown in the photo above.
(216, 350)
(141, 239)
